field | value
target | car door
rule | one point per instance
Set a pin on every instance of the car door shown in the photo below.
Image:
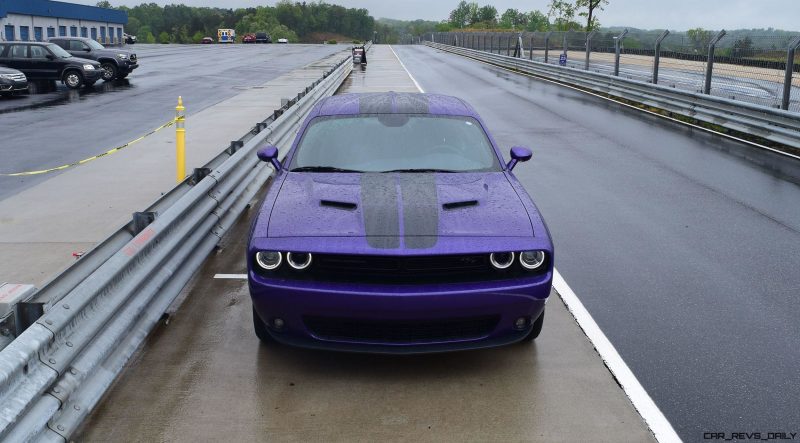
(78, 48)
(17, 58)
(43, 62)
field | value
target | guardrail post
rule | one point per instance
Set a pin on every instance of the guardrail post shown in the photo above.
(617, 44)
(180, 141)
(588, 48)
(547, 45)
(710, 64)
(658, 55)
(787, 81)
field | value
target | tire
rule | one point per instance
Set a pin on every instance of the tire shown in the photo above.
(537, 329)
(261, 329)
(109, 71)
(73, 79)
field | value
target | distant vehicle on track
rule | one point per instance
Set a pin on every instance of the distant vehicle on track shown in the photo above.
(48, 61)
(249, 38)
(206, 40)
(393, 225)
(263, 37)
(129, 39)
(116, 63)
(12, 82)
(283, 40)
(360, 55)
(226, 36)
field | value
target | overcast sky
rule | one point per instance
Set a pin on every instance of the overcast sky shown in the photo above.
(645, 14)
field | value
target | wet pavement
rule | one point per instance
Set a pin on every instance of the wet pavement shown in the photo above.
(685, 253)
(64, 126)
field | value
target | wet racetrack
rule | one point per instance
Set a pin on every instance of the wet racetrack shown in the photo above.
(50, 129)
(685, 254)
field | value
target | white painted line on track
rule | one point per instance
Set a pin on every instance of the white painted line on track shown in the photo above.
(407, 71)
(645, 405)
(655, 419)
(231, 276)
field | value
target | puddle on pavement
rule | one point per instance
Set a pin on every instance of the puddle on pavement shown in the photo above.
(49, 94)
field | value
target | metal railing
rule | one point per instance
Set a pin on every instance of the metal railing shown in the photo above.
(753, 68)
(100, 310)
(775, 125)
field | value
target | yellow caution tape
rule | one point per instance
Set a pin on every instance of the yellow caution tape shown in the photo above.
(87, 160)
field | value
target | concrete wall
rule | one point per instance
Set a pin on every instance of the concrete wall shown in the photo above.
(19, 21)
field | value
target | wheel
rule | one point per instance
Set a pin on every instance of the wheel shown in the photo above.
(109, 71)
(537, 329)
(261, 329)
(73, 79)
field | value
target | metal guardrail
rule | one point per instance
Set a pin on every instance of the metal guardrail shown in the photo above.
(101, 309)
(775, 125)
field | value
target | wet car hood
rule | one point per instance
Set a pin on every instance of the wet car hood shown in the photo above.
(4, 70)
(396, 205)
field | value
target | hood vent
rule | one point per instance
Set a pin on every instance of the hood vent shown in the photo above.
(459, 205)
(338, 205)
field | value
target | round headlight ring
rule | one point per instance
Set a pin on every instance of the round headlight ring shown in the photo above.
(298, 260)
(269, 260)
(501, 260)
(532, 260)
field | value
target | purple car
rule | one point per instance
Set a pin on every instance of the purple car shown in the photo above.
(394, 225)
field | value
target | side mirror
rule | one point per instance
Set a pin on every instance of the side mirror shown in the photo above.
(51, 57)
(519, 154)
(87, 49)
(270, 154)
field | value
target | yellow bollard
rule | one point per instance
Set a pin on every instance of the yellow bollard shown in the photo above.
(180, 141)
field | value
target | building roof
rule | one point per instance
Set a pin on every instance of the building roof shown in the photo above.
(50, 8)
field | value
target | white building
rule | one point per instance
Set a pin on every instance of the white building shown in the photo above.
(38, 20)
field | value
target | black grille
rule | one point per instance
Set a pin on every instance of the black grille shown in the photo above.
(418, 331)
(133, 57)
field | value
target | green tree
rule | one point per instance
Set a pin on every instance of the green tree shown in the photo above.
(163, 37)
(488, 15)
(699, 38)
(513, 19)
(197, 37)
(133, 26)
(459, 17)
(537, 21)
(564, 14)
(104, 4)
(588, 8)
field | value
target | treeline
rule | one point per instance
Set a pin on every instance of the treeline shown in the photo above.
(560, 16)
(177, 23)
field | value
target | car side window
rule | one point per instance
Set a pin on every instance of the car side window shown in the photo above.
(60, 43)
(38, 52)
(19, 51)
(75, 45)
(2, 49)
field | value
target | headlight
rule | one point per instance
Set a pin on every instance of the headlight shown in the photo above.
(6, 76)
(122, 56)
(501, 260)
(298, 260)
(531, 259)
(269, 260)
(88, 67)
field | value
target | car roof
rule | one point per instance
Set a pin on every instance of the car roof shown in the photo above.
(393, 103)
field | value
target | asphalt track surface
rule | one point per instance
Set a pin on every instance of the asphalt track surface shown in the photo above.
(48, 130)
(685, 254)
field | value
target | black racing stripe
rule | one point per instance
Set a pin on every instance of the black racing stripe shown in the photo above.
(420, 210)
(379, 206)
(375, 103)
(411, 104)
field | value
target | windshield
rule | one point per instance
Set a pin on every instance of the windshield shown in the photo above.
(395, 142)
(95, 45)
(57, 51)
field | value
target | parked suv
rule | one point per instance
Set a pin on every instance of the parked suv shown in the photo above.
(46, 61)
(263, 37)
(12, 82)
(116, 63)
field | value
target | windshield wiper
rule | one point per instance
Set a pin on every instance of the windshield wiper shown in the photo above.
(322, 169)
(420, 170)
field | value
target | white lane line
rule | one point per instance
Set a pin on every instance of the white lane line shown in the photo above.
(407, 71)
(231, 276)
(659, 425)
(645, 405)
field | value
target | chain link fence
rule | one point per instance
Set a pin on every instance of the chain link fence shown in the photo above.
(740, 65)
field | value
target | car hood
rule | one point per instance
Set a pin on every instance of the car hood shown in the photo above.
(397, 209)
(4, 70)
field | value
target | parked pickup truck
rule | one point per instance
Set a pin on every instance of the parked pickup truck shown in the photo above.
(116, 63)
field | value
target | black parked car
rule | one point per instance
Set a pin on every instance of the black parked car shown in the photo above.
(12, 82)
(116, 63)
(263, 37)
(46, 61)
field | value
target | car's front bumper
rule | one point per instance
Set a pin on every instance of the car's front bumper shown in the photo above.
(394, 310)
(93, 75)
(12, 86)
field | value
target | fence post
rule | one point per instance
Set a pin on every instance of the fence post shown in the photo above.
(588, 48)
(547, 45)
(508, 46)
(617, 44)
(787, 81)
(530, 54)
(658, 55)
(710, 65)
